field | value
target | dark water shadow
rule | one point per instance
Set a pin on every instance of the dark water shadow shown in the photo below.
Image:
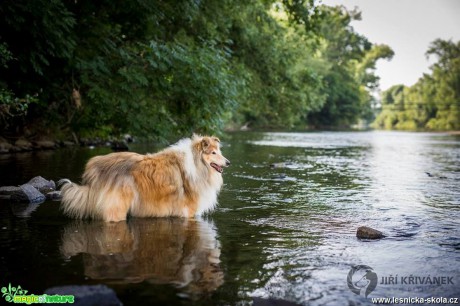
(183, 253)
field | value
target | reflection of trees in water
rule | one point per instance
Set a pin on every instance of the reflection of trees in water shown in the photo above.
(161, 251)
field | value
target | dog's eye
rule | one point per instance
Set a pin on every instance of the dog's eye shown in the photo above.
(214, 152)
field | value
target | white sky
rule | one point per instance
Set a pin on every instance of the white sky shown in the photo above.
(408, 27)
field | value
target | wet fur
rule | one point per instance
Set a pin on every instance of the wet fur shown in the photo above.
(178, 181)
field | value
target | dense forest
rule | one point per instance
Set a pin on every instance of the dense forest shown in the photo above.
(157, 69)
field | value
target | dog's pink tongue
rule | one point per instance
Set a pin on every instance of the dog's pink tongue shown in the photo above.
(217, 167)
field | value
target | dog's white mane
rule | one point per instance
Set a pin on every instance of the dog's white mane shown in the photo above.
(184, 146)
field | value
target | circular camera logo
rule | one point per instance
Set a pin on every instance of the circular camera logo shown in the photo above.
(362, 280)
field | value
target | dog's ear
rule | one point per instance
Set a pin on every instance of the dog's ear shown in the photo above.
(216, 139)
(205, 143)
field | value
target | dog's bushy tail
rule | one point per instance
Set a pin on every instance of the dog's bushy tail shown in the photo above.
(75, 200)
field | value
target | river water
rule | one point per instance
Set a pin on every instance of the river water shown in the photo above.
(285, 227)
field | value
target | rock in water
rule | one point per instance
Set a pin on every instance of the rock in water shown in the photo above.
(7, 191)
(23, 144)
(14, 193)
(29, 194)
(97, 295)
(119, 146)
(45, 144)
(54, 195)
(365, 232)
(43, 185)
(5, 146)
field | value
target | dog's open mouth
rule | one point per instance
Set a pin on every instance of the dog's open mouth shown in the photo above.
(217, 167)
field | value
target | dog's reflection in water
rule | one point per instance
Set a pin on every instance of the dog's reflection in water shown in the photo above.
(178, 251)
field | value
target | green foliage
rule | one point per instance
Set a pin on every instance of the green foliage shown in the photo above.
(156, 68)
(133, 66)
(281, 84)
(37, 33)
(12, 108)
(433, 102)
(164, 68)
(168, 88)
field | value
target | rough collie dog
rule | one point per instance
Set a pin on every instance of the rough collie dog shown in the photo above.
(182, 180)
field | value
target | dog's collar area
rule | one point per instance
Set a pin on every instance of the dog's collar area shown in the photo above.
(217, 167)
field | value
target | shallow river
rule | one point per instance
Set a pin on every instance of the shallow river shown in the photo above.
(285, 227)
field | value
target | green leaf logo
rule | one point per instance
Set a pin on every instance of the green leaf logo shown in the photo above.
(10, 292)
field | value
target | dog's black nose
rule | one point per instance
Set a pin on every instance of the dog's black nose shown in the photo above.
(227, 162)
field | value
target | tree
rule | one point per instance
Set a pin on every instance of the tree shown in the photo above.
(164, 68)
(282, 85)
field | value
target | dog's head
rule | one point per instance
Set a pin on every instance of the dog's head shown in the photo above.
(212, 157)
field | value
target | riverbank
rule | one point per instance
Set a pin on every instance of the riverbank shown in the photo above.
(22, 144)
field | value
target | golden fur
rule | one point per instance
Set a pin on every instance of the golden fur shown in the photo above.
(182, 180)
